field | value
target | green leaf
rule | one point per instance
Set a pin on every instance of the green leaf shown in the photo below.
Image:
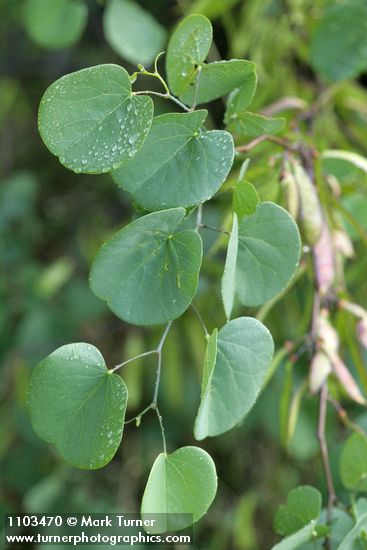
(353, 158)
(254, 125)
(132, 32)
(336, 51)
(241, 98)
(187, 49)
(353, 463)
(188, 76)
(184, 482)
(303, 505)
(56, 24)
(245, 199)
(91, 120)
(214, 80)
(229, 275)
(268, 253)
(147, 272)
(177, 166)
(306, 534)
(356, 538)
(245, 351)
(78, 405)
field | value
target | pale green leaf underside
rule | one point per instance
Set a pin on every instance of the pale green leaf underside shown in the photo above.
(209, 359)
(303, 505)
(76, 404)
(184, 482)
(91, 120)
(245, 350)
(148, 272)
(254, 125)
(350, 542)
(177, 165)
(353, 463)
(132, 32)
(241, 98)
(55, 24)
(268, 253)
(296, 540)
(229, 275)
(245, 199)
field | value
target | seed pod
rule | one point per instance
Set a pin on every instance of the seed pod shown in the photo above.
(324, 261)
(290, 190)
(310, 214)
(346, 379)
(326, 334)
(343, 243)
(362, 331)
(320, 369)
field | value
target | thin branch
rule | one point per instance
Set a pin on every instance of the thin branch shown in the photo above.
(139, 415)
(159, 365)
(325, 455)
(343, 415)
(159, 416)
(265, 137)
(205, 226)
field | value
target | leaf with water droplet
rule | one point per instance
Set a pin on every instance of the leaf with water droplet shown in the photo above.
(177, 165)
(180, 489)
(148, 272)
(189, 77)
(233, 375)
(78, 405)
(88, 112)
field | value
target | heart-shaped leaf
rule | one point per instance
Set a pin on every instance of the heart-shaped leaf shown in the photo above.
(303, 505)
(147, 272)
(181, 487)
(234, 375)
(78, 405)
(91, 120)
(177, 166)
(132, 31)
(269, 249)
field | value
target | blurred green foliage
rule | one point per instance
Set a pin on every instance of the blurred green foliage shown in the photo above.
(52, 222)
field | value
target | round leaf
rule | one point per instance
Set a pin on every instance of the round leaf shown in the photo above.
(181, 486)
(268, 253)
(56, 23)
(147, 273)
(133, 32)
(303, 505)
(353, 463)
(234, 376)
(78, 405)
(177, 166)
(91, 120)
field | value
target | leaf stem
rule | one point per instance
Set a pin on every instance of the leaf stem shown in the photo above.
(165, 96)
(159, 365)
(145, 354)
(198, 314)
(325, 454)
(205, 226)
(160, 420)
